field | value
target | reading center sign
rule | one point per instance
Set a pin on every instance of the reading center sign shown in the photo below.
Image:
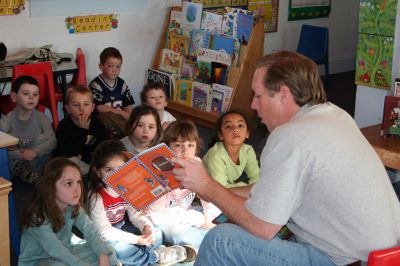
(91, 23)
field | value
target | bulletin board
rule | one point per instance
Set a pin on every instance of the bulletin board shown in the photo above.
(308, 9)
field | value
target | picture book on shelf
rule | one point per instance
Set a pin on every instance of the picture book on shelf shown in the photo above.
(166, 79)
(209, 55)
(179, 43)
(191, 15)
(199, 38)
(391, 116)
(145, 177)
(202, 94)
(203, 71)
(227, 94)
(170, 61)
(184, 92)
(224, 43)
(244, 27)
(211, 22)
(188, 68)
(218, 73)
(175, 19)
(172, 30)
(217, 99)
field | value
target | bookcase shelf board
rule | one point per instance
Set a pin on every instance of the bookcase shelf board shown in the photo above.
(239, 78)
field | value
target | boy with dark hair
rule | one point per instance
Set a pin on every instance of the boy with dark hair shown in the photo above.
(80, 132)
(33, 129)
(112, 96)
(155, 95)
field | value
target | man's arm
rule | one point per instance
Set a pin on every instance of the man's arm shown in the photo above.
(194, 176)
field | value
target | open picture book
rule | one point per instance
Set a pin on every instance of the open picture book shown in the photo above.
(146, 177)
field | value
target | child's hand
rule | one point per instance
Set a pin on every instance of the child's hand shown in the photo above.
(28, 154)
(145, 240)
(104, 260)
(84, 121)
(208, 225)
(148, 231)
(165, 125)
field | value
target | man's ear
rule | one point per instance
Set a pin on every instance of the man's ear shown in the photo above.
(286, 94)
(13, 96)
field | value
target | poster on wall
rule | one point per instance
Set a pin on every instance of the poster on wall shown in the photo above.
(218, 5)
(377, 20)
(269, 10)
(11, 7)
(308, 9)
(91, 23)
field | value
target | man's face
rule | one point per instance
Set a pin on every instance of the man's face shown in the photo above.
(269, 108)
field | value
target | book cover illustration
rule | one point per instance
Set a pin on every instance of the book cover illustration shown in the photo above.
(166, 79)
(203, 72)
(175, 19)
(191, 15)
(227, 95)
(202, 94)
(224, 43)
(391, 116)
(209, 55)
(188, 69)
(145, 177)
(229, 25)
(244, 27)
(218, 73)
(170, 61)
(179, 43)
(217, 99)
(184, 92)
(199, 38)
(211, 22)
(172, 30)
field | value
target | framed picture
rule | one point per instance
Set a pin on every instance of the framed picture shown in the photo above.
(391, 116)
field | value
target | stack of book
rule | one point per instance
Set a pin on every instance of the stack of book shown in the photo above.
(199, 49)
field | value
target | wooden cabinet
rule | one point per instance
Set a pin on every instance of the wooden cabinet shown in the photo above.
(5, 188)
(239, 78)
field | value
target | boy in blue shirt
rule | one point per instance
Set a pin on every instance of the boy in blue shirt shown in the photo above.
(113, 99)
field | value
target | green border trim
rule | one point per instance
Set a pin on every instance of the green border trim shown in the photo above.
(308, 12)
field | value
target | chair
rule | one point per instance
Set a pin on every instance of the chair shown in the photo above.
(386, 257)
(314, 43)
(78, 78)
(43, 73)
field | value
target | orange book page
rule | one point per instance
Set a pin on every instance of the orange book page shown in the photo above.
(162, 168)
(136, 185)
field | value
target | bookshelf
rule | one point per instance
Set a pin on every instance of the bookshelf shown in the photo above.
(239, 78)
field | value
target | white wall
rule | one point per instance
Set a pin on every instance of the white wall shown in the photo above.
(138, 33)
(342, 23)
(136, 37)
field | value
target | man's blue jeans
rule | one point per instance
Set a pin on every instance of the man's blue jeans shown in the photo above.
(229, 244)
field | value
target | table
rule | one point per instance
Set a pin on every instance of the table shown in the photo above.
(60, 70)
(388, 148)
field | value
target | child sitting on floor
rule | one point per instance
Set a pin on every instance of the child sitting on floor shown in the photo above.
(114, 101)
(172, 213)
(48, 220)
(137, 244)
(144, 129)
(155, 95)
(80, 132)
(33, 129)
(230, 161)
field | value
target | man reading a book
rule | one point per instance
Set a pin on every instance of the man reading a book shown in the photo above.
(318, 175)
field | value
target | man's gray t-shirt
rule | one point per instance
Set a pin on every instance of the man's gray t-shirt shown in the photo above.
(322, 177)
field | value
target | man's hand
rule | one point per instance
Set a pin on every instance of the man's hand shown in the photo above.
(145, 240)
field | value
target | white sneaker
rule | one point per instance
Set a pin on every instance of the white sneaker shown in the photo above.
(169, 255)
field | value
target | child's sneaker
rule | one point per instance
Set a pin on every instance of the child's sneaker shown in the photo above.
(170, 255)
(191, 253)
